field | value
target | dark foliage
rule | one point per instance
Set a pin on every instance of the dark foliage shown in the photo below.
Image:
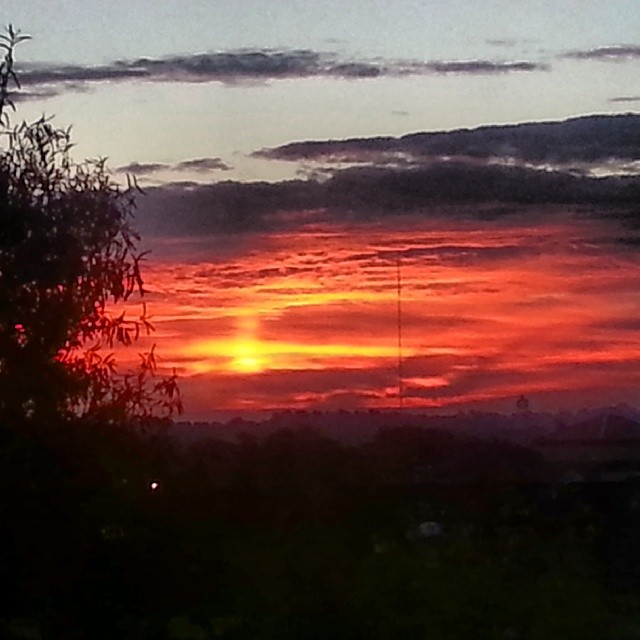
(296, 536)
(67, 251)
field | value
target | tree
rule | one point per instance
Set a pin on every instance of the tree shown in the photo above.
(67, 251)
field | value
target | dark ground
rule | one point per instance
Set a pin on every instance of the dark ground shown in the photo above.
(298, 536)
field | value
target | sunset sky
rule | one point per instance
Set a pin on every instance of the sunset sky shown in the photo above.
(273, 273)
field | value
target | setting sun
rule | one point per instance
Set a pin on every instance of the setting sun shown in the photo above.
(468, 334)
(247, 357)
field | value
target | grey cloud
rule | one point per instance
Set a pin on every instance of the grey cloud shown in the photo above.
(502, 42)
(197, 164)
(587, 139)
(38, 94)
(370, 193)
(244, 63)
(480, 67)
(142, 168)
(622, 52)
(50, 74)
(624, 99)
(202, 164)
(247, 64)
(423, 188)
(357, 70)
(195, 67)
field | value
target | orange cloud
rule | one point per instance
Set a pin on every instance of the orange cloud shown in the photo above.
(308, 319)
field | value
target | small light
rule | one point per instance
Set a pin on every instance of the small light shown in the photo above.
(154, 486)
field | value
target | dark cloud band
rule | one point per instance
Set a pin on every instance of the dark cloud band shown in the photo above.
(605, 53)
(584, 139)
(259, 64)
(370, 193)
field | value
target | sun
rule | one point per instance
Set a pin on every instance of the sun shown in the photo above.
(247, 364)
(247, 357)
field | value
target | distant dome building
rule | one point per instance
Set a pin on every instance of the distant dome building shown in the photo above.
(522, 404)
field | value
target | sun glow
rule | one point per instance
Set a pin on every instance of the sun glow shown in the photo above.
(489, 312)
(246, 353)
(247, 357)
(255, 356)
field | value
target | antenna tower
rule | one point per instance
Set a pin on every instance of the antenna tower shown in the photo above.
(399, 314)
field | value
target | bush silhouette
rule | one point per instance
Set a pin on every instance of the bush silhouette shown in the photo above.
(67, 251)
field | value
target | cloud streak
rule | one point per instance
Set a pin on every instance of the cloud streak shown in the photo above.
(608, 53)
(372, 193)
(199, 165)
(624, 99)
(481, 67)
(262, 64)
(582, 139)
(502, 42)
(37, 94)
(202, 164)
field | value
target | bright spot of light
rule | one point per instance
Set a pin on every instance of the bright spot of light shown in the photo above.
(247, 350)
(154, 486)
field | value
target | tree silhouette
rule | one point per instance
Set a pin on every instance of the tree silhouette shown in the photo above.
(67, 251)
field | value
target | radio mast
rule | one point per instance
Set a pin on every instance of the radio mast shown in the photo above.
(399, 315)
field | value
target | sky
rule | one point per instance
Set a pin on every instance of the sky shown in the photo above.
(273, 277)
